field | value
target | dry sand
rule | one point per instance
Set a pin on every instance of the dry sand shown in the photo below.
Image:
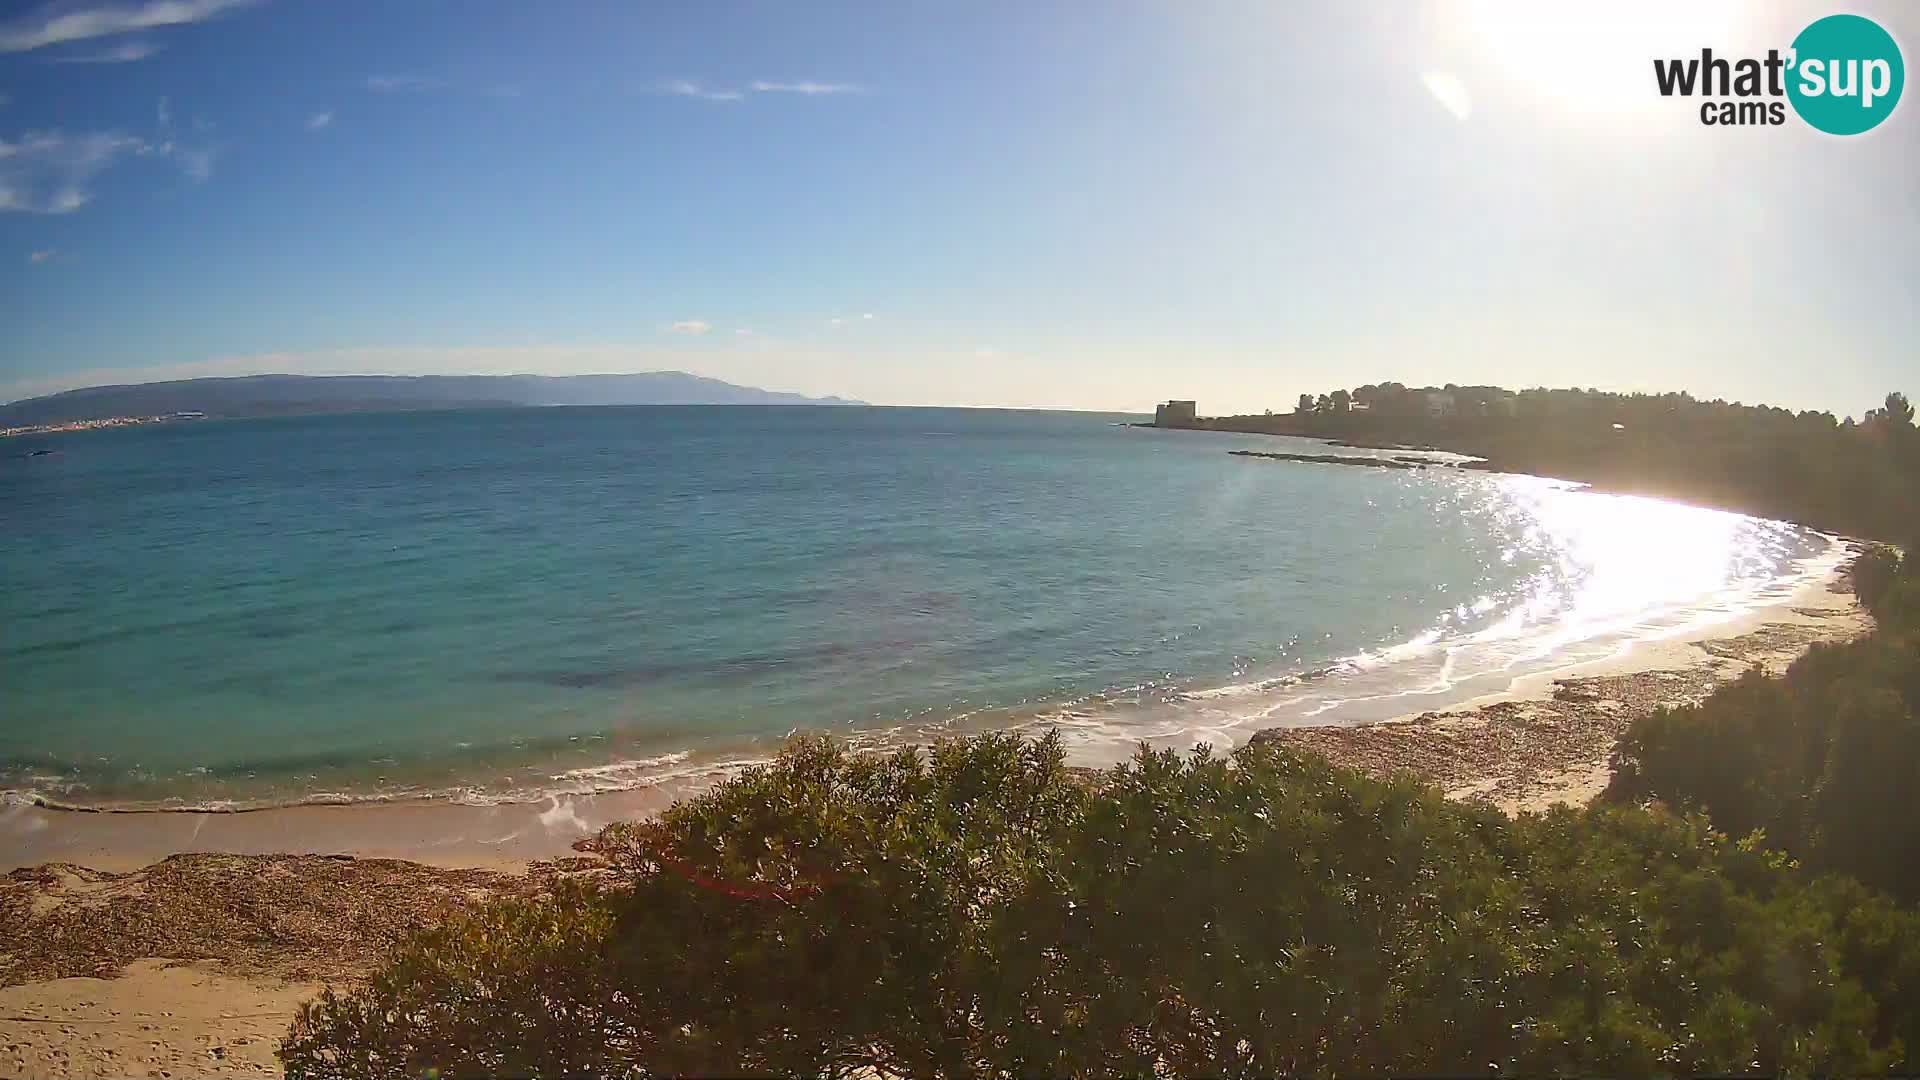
(198, 963)
(157, 1018)
(182, 944)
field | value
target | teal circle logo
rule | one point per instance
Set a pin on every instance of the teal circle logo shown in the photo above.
(1846, 74)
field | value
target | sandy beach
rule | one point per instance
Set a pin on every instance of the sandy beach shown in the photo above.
(1547, 741)
(179, 944)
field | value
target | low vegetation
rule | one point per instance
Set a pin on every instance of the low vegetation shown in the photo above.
(979, 910)
(1821, 761)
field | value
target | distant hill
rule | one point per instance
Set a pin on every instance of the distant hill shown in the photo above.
(287, 395)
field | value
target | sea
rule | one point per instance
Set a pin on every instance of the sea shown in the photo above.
(502, 605)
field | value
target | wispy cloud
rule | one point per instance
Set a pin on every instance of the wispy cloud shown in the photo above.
(807, 88)
(686, 88)
(52, 172)
(320, 120)
(40, 256)
(400, 84)
(59, 23)
(1450, 92)
(119, 54)
(695, 327)
(48, 172)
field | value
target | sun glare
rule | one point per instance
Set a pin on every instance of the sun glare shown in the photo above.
(1589, 58)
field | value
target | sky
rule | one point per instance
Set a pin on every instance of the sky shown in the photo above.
(1067, 205)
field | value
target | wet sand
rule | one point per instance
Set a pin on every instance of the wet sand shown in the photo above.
(1547, 740)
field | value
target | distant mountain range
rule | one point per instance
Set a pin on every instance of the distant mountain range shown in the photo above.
(288, 395)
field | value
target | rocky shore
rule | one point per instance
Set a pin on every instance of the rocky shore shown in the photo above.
(1336, 459)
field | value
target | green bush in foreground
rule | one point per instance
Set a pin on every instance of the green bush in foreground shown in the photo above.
(977, 911)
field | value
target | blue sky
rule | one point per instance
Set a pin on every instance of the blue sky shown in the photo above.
(1090, 206)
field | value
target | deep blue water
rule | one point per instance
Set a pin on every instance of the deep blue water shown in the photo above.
(522, 600)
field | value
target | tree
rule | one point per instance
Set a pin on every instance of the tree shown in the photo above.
(1898, 411)
(1340, 400)
(1305, 404)
(1323, 403)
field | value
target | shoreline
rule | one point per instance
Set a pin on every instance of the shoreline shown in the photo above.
(184, 944)
(1546, 740)
(507, 836)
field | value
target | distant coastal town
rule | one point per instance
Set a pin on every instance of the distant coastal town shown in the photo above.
(104, 422)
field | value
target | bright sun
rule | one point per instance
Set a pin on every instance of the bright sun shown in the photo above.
(1590, 57)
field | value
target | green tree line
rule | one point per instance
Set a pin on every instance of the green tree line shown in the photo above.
(1855, 477)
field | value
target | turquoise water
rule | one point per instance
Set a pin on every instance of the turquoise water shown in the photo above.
(496, 604)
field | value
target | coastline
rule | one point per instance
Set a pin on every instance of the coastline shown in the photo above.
(1546, 740)
(184, 943)
(1566, 716)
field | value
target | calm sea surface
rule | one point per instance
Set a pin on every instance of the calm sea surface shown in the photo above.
(499, 604)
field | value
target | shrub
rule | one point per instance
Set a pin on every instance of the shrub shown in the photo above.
(1874, 574)
(979, 911)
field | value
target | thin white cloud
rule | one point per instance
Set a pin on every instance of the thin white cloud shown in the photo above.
(163, 114)
(5, 100)
(320, 120)
(695, 327)
(396, 84)
(744, 331)
(868, 316)
(119, 54)
(52, 172)
(47, 172)
(806, 88)
(59, 23)
(40, 256)
(689, 89)
(836, 322)
(1450, 92)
